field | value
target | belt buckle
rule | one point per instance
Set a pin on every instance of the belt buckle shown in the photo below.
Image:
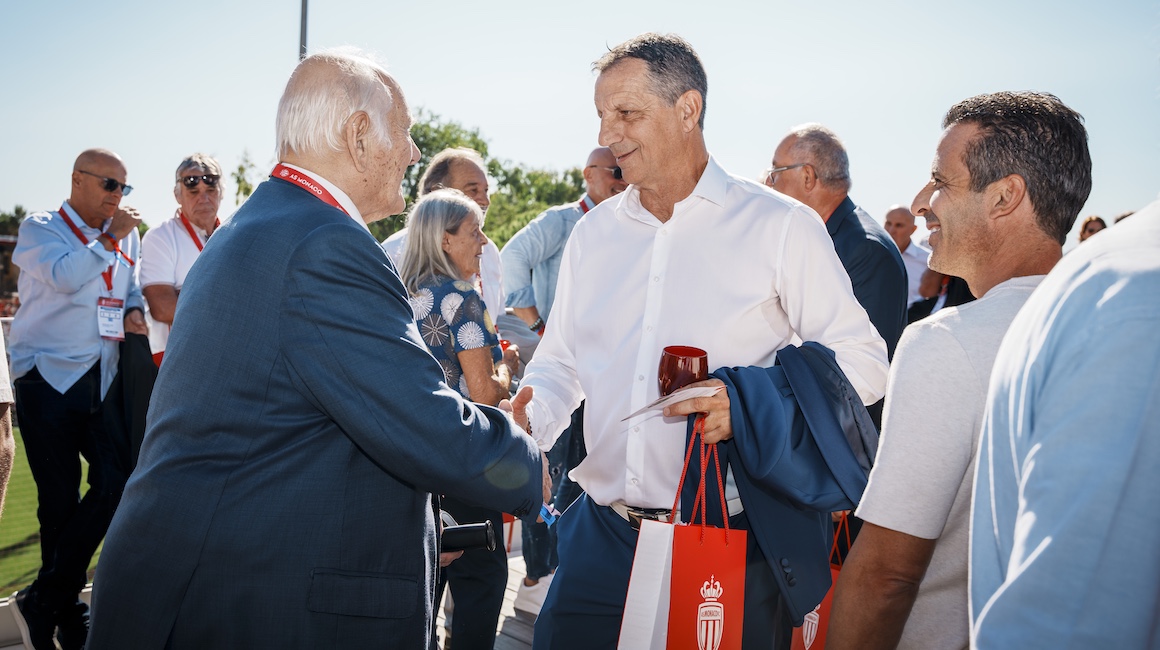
(636, 516)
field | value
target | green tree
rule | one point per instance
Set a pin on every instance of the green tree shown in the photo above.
(519, 193)
(242, 176)
(10, 221)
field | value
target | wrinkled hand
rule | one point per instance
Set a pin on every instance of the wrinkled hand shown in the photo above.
(518, 406)
(718, 422)
(448, 558)
(124, 220)
(135, 323)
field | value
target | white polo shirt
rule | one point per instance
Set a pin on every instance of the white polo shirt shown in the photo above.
(167, 253)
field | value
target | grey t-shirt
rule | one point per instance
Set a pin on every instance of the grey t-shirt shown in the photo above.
(922, 478)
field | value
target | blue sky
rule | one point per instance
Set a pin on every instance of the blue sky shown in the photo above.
(156, 81)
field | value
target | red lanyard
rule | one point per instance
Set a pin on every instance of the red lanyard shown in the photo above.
(584, 208)
(107, 274)
(192, 233)
(307, 183)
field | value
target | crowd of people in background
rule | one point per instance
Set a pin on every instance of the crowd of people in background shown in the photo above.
(316, 397)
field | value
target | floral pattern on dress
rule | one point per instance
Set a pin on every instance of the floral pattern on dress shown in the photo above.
(434, 330)
(453, 320)
(422, 302)
(449, 306)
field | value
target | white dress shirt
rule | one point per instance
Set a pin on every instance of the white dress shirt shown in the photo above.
(914, 258)
(737, 271)
(490, 270)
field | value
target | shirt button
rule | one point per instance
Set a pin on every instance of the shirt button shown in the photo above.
(634, 481)
(636, 429)
(648, 329)
(656, 278)
(640, 377)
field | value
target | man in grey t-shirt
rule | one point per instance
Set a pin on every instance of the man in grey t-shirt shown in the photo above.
(1011, 172)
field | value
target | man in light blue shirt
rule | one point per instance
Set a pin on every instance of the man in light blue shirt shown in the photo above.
(1065, 526)
(79, 295)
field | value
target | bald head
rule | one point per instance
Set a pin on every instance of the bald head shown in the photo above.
(600, 175)
(90, 195)
(900, 224)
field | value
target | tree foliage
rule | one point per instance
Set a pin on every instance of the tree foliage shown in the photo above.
(10, 221)
(519, 194)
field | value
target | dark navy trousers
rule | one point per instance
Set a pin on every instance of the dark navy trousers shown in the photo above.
(585, 605)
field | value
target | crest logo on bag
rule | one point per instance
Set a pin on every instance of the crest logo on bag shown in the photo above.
(710, 615)
(810, 627)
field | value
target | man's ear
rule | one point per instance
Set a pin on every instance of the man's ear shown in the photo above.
(809, 178)
(690, 105)
(356, 132)
(1006, 195)
(587, 173)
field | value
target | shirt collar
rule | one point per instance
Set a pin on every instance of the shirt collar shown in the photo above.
(338, 195)
(80, 223)
(711, 186)
(844, 209)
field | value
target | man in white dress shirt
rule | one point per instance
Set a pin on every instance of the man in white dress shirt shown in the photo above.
(900, 226)
(688, 255)
(463, 169)
(169, 250)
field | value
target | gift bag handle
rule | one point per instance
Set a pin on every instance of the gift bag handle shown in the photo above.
(700, 500)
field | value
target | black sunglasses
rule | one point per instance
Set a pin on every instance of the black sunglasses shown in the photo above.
(616, 173)
(211, 180)
(110, 184)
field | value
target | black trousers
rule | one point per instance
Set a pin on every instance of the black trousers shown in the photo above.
(57, 430)
(478, 580)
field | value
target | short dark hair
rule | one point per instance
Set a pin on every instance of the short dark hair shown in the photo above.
(673, 66)
(1038, 137)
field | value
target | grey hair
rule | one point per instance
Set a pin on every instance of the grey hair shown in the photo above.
(316, 106)
(438, 212)
(823, 150)
(435, 176)
(198, 161)
(673, 66)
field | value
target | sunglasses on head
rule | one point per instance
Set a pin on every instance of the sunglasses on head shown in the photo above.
(616, 173)
(110, 184)
(210, 180)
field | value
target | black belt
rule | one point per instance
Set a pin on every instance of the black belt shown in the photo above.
(635, 515)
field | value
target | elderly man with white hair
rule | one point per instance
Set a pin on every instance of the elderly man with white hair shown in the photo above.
(299, 425)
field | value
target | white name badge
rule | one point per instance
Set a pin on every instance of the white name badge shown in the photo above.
(111, 318)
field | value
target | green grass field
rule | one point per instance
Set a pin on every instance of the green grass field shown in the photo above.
(19, 536)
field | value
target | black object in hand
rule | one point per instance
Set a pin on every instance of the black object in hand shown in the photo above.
(468, 536)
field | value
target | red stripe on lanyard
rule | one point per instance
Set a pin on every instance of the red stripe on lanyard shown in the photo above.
(193, 233)
(584, 205)
(107, 274)
(313, 187)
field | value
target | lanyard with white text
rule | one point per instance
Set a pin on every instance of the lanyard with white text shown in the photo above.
(192, 233)
(584, 207)
(107, 274)
(307, 183)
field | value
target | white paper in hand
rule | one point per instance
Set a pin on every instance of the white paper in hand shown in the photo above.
(679, 395)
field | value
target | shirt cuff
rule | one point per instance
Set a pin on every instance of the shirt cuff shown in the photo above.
(97, 247)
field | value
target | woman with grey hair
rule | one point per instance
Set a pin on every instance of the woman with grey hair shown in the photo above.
(442, 256)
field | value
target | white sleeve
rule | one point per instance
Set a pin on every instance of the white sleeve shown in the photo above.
(158, 257)
(817, 297)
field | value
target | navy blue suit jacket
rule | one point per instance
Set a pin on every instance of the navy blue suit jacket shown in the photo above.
(297, 429)
(875, 267)
(802, 447)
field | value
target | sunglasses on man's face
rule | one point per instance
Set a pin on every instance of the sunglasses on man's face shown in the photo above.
(210, 180)
(110, 184)
(616, 173)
